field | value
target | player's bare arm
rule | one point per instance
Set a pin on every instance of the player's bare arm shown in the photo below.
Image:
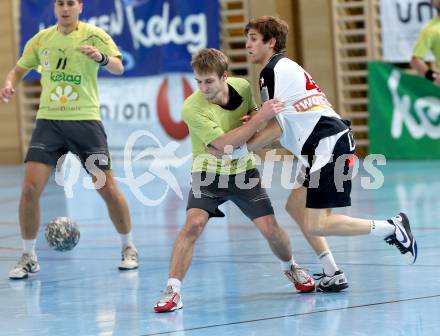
(419, 65)
(12, 79)
(111, 63)
(240, 135)
(259, 140)
(268, 135)
(423, 69)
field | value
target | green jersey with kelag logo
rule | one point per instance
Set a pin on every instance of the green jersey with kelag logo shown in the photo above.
(429, 41)
(68, 78)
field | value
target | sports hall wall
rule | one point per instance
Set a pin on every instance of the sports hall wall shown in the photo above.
(334, 40)
(11, 147)
(309, 43)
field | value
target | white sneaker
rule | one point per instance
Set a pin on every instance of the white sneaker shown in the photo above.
(170, 301)
(129, 259)
(27, 264)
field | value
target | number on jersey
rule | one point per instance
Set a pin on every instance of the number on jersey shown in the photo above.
(310, 83)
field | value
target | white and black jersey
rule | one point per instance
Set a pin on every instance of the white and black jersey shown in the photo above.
(309, 124)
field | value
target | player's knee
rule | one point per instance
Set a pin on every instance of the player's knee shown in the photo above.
(314, 229)
(194, 227)
(30, 192)
(270, 230)
(109, 192)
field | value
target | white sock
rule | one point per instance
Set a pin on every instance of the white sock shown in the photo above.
(175, 283)
(286, 265)
(29, 246)
(328, 263)
(382, 228)
(126, 239)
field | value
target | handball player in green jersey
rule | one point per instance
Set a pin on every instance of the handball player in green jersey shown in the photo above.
(428, 41)
(68, 56)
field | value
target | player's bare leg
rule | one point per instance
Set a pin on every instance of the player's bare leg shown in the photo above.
(120, 216)
(395, 231)
(183, 247)
(181, 257)
(35, 178)
(279, 243)
(332, 278)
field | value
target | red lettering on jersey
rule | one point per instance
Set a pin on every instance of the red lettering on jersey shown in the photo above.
(310, 83)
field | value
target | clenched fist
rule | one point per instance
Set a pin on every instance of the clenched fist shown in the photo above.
(270, 109)
(91, 52)
(6, 93)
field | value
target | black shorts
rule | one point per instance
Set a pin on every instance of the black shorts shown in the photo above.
(51, 139)
(330, 186)
(243, 189)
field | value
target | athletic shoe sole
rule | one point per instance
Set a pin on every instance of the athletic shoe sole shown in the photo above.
(412, 249)
(332, 288)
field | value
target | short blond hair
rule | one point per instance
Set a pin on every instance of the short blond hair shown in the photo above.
(209, 59)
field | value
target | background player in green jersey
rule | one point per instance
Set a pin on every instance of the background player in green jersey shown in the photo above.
(429, 41)
(210, 113)
(68, 55)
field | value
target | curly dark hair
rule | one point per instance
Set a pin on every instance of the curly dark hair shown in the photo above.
(270, 27)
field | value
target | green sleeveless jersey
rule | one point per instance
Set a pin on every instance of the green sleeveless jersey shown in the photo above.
(68, 78)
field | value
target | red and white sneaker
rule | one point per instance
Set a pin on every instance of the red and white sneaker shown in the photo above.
(170, 301)
(302, 281)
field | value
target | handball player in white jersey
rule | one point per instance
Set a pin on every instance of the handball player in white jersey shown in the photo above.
(324, 144)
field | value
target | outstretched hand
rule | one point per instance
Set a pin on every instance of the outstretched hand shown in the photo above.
(91, 52)
(6, 93)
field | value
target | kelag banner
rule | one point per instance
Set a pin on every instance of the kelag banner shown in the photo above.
(155, 36)
(404, 114)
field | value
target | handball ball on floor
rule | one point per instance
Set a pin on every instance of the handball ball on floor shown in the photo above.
(62, 234)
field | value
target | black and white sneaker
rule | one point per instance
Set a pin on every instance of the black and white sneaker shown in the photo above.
(26, 265)
(331, 283)
(402, 237)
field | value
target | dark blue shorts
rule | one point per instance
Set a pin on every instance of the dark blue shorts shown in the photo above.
(51, 139)
(243, 189)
